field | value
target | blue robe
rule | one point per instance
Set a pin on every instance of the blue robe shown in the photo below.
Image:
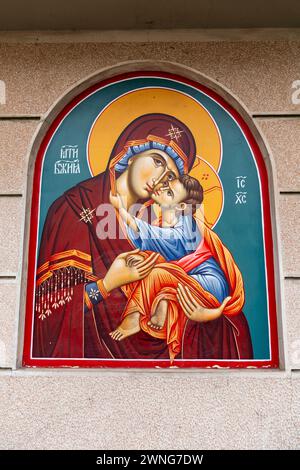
(175, 242)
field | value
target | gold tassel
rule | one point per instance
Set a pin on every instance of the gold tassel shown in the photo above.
(57, 290)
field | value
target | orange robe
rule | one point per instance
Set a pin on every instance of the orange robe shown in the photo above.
(161, 284)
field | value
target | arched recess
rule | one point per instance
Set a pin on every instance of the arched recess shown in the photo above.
(227, 110)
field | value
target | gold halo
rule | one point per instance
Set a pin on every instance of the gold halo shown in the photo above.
(212, 207)
(119, 113)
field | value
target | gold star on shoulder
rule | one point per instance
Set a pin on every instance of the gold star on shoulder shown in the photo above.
(87, 215)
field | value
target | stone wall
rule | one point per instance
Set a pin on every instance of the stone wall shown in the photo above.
(144, 409)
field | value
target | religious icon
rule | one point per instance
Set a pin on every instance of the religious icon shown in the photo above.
(151, 234)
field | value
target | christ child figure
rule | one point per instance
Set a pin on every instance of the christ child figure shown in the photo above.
(177, 237)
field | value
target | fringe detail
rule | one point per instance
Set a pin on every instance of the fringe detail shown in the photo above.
(57, 290)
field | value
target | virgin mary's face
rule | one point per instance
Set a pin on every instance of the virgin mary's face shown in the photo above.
(148, 170)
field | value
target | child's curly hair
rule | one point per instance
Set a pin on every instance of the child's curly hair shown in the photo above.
(194, 191)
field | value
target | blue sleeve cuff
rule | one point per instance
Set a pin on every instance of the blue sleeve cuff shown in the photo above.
(93, 293)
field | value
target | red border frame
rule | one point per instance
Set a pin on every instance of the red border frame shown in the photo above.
(117, 363)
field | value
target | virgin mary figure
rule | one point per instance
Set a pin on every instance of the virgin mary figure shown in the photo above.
(80, 292)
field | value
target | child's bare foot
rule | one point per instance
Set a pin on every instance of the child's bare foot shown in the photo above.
(129, 326)
(158, 319)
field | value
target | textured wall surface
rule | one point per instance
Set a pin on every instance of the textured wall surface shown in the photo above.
(138, 411)
(99, 409)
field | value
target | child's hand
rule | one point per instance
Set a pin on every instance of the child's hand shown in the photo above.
(116, 201)
(132, 260)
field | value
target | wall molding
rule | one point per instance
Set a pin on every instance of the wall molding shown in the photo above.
(153, 35)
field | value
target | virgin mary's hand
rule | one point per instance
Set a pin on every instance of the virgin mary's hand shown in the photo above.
(120, 273)
(194, 310)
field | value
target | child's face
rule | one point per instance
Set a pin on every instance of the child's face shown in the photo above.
(171, 195)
